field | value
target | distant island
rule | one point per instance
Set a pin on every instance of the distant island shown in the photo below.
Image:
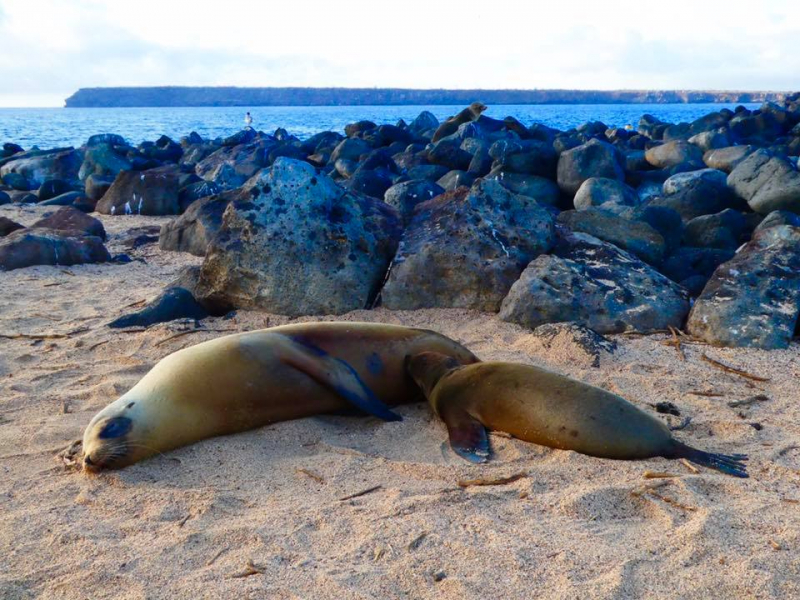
(303, 96)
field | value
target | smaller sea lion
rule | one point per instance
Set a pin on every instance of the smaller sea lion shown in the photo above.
(539, 406)
(451, 125)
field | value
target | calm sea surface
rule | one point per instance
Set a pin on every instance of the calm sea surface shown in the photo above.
(53, 127)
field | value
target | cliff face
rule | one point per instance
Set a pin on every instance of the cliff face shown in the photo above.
(238, 96)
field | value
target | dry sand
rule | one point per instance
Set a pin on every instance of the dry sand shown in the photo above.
(185, 525)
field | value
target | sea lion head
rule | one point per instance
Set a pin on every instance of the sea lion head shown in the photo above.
(476, 108)
(427, 368)
(115, 437)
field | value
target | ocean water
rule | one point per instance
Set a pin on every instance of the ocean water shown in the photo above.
(55, 127)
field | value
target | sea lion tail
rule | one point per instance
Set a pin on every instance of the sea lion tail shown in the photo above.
(731, 464)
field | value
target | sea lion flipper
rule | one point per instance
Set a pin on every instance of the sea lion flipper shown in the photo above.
(467, 434)
(731, 464)
(337, 375)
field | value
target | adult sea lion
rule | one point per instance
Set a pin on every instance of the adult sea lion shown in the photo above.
(539, 406)
(248, 380)
(451, 125)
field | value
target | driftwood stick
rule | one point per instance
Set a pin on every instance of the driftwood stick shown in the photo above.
(465, 483)
(187, 332)
(361, 493)
(676, 341)
(729, 369)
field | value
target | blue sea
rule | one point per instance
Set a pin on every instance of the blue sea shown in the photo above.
(54, 127)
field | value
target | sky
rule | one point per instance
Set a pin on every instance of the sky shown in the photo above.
(51, 48)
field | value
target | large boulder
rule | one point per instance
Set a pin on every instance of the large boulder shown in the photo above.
(597, 191)
(592, 159)
(525, 156)
(426, 122)
(72, 219)
(103, 160)
(30, 247)
(697, 193)
(693, 267)
(726, 159)
(595, 284)
(541, 189)
(637, 237)
(61, 164)
(406, 195)
(448, 153)
(350, 149)
(466, 248)
(230, 166)
(767, 182)
(193, 231)
(301, 245)
(724, 230)
(151, 192)
(753, 300)
(674, 153)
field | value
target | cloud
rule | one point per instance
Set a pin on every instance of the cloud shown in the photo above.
(50, 48)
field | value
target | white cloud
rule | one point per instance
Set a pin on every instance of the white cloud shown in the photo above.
(50, 48)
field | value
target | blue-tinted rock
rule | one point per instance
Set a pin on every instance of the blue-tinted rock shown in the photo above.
(595, 284)
(753, 300)
(466, 248)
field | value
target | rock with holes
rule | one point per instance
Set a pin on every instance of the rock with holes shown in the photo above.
(151, 192)
(299, 245)
(31, 247)
(593, 283)
(466, 248)
(406, 195)
(753, 300)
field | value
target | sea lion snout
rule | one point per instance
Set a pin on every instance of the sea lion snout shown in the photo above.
(106, 442)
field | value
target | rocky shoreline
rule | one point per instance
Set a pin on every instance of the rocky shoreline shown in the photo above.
(690, 226)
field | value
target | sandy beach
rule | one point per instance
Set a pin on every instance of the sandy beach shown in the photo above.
(264, 514)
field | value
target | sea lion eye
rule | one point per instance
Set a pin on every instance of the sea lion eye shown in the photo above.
(115, 428)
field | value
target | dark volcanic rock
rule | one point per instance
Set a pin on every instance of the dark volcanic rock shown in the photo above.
(544, 191)
(723, 230)
(7, 226)
(595, 284)
(194, 229)
(152, 192)
(68, 199)
(406, 195)
(52, 188)
(637, 237)
(17, 182)
(693, 267)
(465, 248)
(726, 159)
(72, 219)
(448, 153)
(303, 245)
(455, 179)
(195, 191)
(778, 217)
(4, 198)
(697, 193)
(592, 159)
(753, 300)
(173, 303)
(53, 164)
(104, 161)
(597, 191)
(767, 182)
(96, 186)
(525, 156)
(674, 153)
(30, 247)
